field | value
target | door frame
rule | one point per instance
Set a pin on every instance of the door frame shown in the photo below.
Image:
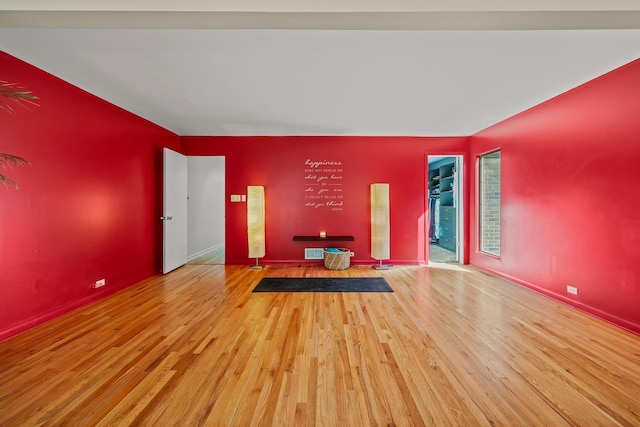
(459, 201)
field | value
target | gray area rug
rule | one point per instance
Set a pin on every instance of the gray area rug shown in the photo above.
(323, 284)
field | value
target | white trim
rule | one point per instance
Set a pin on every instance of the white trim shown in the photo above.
(204, 251)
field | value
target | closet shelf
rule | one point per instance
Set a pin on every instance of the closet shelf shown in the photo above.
(442, 202)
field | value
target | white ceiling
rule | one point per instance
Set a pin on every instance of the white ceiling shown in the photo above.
(254, 74)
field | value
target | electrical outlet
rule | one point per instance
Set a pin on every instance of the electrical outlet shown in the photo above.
(100, 283)
(572, 290)
(352, 254)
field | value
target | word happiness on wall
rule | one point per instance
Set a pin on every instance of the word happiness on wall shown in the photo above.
(323, 185)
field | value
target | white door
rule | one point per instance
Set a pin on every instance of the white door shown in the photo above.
(174, 211)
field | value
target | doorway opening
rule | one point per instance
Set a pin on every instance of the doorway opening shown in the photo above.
(206, 210)
(444, 201)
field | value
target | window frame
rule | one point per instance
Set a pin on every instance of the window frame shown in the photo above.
(482, 245)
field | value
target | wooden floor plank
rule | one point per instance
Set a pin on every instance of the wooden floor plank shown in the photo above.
(450, 346)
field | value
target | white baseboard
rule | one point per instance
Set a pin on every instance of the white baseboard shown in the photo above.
(204, 251)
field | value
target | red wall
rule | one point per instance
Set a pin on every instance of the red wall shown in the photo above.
(278, 163)
(85, 208)
(571, 196)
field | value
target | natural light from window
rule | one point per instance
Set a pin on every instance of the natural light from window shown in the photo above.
(489, 203)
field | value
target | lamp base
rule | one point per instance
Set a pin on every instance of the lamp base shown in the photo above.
(256, 266)
(382, 266)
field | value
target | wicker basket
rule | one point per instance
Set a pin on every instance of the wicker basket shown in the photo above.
(337, 260)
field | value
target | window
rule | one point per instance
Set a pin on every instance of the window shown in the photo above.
(489, 203)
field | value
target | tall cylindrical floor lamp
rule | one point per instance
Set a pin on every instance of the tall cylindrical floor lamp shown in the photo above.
(380, 228)
(256, 223)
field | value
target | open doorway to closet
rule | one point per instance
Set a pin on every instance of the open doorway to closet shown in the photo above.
(444, 180)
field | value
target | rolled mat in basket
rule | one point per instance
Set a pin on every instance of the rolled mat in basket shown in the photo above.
(337, 258)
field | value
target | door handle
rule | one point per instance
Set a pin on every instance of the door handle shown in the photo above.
(166, 218)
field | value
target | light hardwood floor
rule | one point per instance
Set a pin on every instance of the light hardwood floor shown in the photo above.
(197, 347)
